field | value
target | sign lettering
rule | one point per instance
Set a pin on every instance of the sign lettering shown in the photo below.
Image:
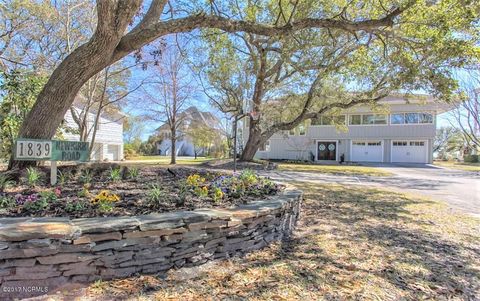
(53, 150)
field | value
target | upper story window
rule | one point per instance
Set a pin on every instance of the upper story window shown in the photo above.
(329, 120)
(367, 119)
(291, 132)
(411, 118)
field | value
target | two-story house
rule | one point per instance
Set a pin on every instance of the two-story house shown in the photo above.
(108, 144)
(403, 133)
(185, 146)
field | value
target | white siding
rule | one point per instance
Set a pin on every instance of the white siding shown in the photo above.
(299, 147)
(109, 134)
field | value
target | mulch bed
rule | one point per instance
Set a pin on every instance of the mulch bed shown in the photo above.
(155, 189)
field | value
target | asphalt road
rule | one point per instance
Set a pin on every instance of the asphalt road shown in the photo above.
(459, 189)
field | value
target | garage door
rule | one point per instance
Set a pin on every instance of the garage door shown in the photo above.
(409, 151)
(367, 151)
(112, 153)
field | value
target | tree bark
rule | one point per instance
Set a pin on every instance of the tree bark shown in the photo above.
(255, 139)
(173, 155)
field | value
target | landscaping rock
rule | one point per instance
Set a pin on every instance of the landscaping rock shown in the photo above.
(97, 237)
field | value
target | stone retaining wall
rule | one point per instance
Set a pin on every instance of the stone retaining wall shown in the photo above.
(41, 254)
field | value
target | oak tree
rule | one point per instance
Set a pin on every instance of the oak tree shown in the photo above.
(118, 33)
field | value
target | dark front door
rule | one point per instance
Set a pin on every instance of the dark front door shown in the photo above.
(327, 150)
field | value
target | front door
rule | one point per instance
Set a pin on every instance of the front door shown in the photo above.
(327, 150)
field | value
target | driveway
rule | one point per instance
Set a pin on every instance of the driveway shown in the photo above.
(459, 189)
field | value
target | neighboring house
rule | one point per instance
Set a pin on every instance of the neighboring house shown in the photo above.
(405, 134)
(184, 144)
(108, 143)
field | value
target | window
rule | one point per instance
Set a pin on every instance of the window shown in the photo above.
(368, 119)
(380, 119)
(400, 143)
(374, 143)
(355, 119)
(417, 143)
(397, 118)
(265, 147)
(358, 143)
(291, 132)
(302, 129)
(411, 118)
(329, 120)
(425, 118)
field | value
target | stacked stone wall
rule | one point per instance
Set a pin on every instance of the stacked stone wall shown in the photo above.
(38, 255)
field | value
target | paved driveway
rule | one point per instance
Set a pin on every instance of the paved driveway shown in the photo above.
(460, 189)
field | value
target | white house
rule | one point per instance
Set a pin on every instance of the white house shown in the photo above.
(404, 134)
(184, 144)
(108, 145)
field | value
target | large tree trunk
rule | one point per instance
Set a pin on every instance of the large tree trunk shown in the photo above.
(78, 67)
(255, 139)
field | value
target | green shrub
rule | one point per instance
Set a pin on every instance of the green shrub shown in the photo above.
(6, 202)
(76, 206)
(155, 195)
(470, 158)
(36, 204)
(48, 196)
(133, 173)
(86, 176)
(33, 176)
(63, 177)
(115, 174)
(5, 182)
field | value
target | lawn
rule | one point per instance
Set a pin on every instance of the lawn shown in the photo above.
(335, 169)
(165, 160)
(351, 244)
(459, 165)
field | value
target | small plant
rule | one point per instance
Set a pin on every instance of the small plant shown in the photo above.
(217, 194)
(50, 196)
(5, 182)
(33, 176)
(32, 202)
(104, 201)
(75, 206)
(6, 202)
(115, 174)
(63, 177)
(156, 194)
(84, 193)
(248, 177)
(201, 191)
(195, 180)
(86, 177)
(133, 173)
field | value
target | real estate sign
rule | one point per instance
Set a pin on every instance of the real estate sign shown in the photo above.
(52, 150)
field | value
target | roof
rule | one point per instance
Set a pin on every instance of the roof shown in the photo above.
(193, 114)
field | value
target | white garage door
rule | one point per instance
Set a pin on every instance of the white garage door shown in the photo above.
(112, 153)
(367, 151)
(409, 151)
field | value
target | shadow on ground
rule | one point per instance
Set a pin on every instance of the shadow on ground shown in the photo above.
(350, 244)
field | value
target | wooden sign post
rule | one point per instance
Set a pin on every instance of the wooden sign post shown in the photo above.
(51, 150)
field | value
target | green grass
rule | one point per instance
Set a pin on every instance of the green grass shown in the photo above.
(165, 160)
(351, 243)
(459, 165)
(335, 169)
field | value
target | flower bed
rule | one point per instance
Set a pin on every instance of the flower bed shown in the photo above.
(126, 191)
